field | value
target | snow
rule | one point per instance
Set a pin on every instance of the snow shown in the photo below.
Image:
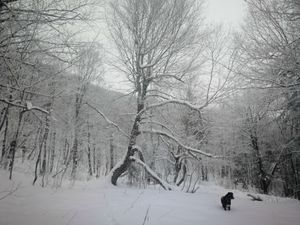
(97, 202)
(153, 174)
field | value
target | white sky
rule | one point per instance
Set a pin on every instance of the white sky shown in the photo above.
(229, 12)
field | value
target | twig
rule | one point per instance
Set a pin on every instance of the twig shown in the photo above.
(10, 192)
(146, 216)
(108, 120)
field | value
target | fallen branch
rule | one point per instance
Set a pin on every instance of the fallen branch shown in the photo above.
(162, 183)
(255, 198)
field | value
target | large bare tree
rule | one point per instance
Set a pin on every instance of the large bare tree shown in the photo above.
(159, 43)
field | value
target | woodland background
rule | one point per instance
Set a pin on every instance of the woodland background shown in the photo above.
(201, 102)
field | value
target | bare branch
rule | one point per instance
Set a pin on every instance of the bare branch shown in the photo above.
(188, 148)
(108, 120)
(27, 107)
(165, 185)
(175, 101)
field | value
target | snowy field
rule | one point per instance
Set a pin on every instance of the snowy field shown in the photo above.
(98, 203)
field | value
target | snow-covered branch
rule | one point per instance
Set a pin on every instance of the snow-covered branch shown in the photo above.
(27, 107)
(108, 120)
(175, 101)
(164, 184)
(188, 148)
(159, 124)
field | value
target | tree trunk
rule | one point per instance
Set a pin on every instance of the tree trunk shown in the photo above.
(264, 178)
(74, 156)
(66, 152)
(89, 154)
(98, 168)
(124, 165)
(52, 152)
(13, 145)
(37, 162)
(42, 147)
(111, 151)
(4, 141)
(35, 143)
(296, 187)
(89, 161)
(94, 157)
(184, 170)
(44, 141)
(75, 144)
(3, 116)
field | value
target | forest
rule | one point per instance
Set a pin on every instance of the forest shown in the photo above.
(194, 102)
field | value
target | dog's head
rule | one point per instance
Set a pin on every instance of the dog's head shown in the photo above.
(230, 195)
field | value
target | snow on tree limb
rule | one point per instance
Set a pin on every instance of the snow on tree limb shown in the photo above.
(188, 148)
(175, 101)
(159, 124)
(27, 107)
(108, 120)
(164, 184)
(255, 197)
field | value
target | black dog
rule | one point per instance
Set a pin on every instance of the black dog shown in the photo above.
(226, 200)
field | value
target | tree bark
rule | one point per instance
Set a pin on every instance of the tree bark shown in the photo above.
(4, 138)
(118, 170)
(52, 152)
(94, 157)
(111, 151)
(89, 153)
(75, 144)
(14, 143)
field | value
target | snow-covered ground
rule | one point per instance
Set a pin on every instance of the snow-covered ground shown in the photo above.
(95, 202)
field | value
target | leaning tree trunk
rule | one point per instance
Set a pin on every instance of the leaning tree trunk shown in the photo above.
(120, 168)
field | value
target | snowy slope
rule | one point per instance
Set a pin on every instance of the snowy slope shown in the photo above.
(99, 203)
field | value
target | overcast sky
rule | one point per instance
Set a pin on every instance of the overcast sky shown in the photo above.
(229, 12)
